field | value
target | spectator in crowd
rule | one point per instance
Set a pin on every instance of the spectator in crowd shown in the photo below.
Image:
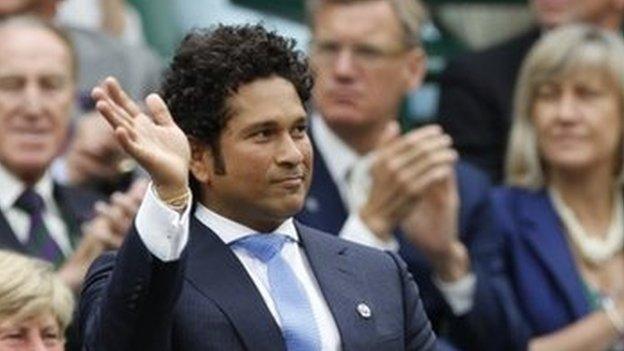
(35, 305)
(94, 159)
(476, 88)
(368, 180)
(250, 277)
(38, 216)
(556, 280)
(116, 18)
(98, 165)
(98, 54)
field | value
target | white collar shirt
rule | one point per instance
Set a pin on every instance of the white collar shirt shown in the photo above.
(19, 220)
(229, 231)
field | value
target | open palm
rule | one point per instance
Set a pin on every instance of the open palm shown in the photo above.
(153, 140)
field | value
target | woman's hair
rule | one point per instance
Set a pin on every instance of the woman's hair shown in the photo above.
(30, 287)
(560, 54)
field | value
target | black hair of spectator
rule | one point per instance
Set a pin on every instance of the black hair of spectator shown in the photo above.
(210, 65)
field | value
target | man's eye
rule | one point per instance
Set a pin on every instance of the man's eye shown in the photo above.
(327, 48)
(368, 52)
(8, 83)
(262, 134)
(300, 130)
(53, 83)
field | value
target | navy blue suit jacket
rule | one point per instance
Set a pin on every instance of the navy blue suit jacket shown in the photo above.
(76, 207)
(207, 301)
(325, 210)
(529, 284)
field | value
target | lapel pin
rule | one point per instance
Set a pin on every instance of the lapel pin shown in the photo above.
(312, 204)
(364, 310)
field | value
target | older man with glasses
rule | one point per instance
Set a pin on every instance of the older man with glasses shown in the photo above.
(371, 184)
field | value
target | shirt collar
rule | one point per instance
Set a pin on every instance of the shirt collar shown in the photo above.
(343, 157)
(230, 231)
(12, 187)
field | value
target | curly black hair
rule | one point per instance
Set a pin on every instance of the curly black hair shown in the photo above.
(210, 65)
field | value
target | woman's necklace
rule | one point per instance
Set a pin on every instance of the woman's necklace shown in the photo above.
(592, 249)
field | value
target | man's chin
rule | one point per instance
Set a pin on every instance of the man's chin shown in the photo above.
(290, 208)
(28, 168)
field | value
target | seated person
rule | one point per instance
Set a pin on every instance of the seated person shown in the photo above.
(35, 305)
(477, 88)
(371, 185)
(556, 282)
(38, 216)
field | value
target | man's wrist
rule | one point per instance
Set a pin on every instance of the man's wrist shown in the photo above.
(453, 264)
(172, 194)
(376, 225)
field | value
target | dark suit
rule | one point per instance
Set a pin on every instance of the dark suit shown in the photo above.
(325, 210)
(207, 301)
(476, 101)
(76, 207)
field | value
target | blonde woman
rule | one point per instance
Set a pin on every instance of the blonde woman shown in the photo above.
(35, 305)
(559, 218)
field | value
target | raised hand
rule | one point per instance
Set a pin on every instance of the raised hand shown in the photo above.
(153, 140)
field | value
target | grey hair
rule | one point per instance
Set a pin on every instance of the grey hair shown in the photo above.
(412, 14)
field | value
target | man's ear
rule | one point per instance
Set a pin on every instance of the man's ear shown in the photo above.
(415, 68)
(201, 162)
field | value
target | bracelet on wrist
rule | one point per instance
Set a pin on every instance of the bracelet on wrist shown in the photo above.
(178, 202)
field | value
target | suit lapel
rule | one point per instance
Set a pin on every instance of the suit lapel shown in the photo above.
(324, 208)
(8, 240)
(341, 286)
(73, 211)
(544, 235)
(214, 270)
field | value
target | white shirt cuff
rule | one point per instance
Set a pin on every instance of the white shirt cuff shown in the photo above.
(355, 230)
(163, 231)
(458, 294)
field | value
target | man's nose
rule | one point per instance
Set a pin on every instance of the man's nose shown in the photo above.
(32, 99)
(344, 63)
(289, 151)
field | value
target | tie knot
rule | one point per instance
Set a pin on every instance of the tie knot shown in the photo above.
(262, 246)
(30, 201)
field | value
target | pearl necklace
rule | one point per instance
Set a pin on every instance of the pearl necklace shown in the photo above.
(593, 250)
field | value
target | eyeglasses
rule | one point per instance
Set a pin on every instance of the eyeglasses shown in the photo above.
(364, 55)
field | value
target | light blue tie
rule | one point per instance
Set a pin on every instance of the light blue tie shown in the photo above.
(298, 325)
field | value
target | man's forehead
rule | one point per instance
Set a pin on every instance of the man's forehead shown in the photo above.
(376, 19)
(265, 99)
(11, 7)
(32, 38)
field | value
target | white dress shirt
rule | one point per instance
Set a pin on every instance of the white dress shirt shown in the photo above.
(341, 160)
(165, 233)
(19, 220)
